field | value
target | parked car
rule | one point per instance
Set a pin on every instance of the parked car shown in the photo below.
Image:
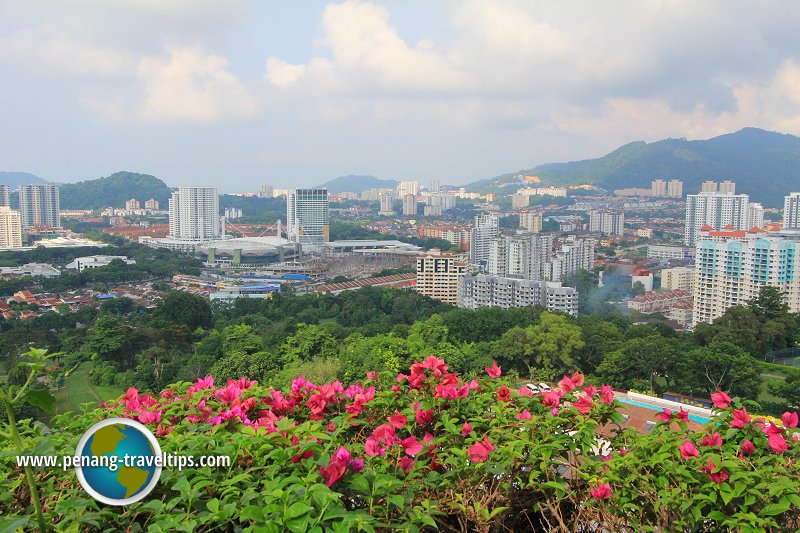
(533, 388)
(544, 387)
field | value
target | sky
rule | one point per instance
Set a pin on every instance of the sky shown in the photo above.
(242, 92)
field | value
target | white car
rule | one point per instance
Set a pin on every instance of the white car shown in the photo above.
(544, 387)
(533, 388)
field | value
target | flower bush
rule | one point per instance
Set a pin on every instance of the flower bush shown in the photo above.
(428, 450)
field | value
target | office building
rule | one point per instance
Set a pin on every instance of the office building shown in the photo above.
(727, 186)
(132, 204)
(5, 196)
(308, 216)
(732, 266)
(39, 205)
(717, 210)
(10, 228)
(531, 221)
(497, 291)
(194, 214)
(438, 276)
(409, 205)
(678, 278)
(607, 222)
(387, 205)
(675, 189)
(658, 188)
(487, 227)
(407, 187)
(791, 211)
(265, 191)
(151, 204)
(708, 186)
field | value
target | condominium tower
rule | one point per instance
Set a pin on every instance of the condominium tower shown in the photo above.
(194, 214)
(308, 216)
(10, 228)
(39, 205)
(791, 211)
(717, 210)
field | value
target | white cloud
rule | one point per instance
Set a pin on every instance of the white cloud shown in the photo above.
(190, 85)
(282, 74)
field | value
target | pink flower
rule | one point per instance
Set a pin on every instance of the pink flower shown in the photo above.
(466, 429)
(606, 394)
(424, 416)
(591, 390)
(504, 394)
(714, 441)
(602, 492)
(682, 415)
(411, 445)
(551, 399)
(494, 372)
(397, 420)
(357, 465)
(716, 477)
(479, 452)
(147, 417)
(721, 400)
(789, 419)
(570, 383)
(688, 449)
(524, 415)
(583, 405)
(201, 384)
(406, 463)
(777, 443)
(740, 418)
(342, 455)
(666, 415)
(748, 448)
(525, 391)
(333, 472)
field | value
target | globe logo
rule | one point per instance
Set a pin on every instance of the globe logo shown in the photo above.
(120, 461)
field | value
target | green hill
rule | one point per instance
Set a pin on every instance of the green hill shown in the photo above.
(765, 165)
(15, 179)
(114, 191)
(353, 183)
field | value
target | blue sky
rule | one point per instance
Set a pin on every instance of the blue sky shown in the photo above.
(242, 92)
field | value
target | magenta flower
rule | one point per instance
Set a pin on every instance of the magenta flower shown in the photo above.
(789, 419)
(551, 399)
(606, 394)
(716, 477)
(407, 463)
(714, 441)
(504, 394)
(424, 416)
(721, 400)
(602, 492)
(682, 415)
(494, 371)
(740, 418)
(583, 405)
(748, 448)
(666, 415)
(688, 449)
(524, 415)
(525, 391)
(466, 429)
(479, 452)
(411, 445)
(397, 420)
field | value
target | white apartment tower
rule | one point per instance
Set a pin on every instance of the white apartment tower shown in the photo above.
(531, 221)
(39, 205)
(755, 215)
(152, 203)
(708, 186)
(717, 210)
(194, 214)
(497, 291)
(487, 227)
(675, 189)
(387, 205)
(10, 228)
(407, 187)
(410, 205)
(607, 222)
(132, 204)
(308, 216)
(5, 197)
(791, 211)
(727, 186)
(732, 266)
(265, 191)
(438, 276)
(658, 188)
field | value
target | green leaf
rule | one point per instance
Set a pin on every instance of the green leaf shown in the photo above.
(776, 508)
(41, 399)
(10, 525)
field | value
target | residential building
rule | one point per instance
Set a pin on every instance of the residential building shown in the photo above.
(524, 255)
(410, 205)
(151, 204)
(755, 215)
(607, 222)
(678, 278)
(658, 188)
(232, 213)
(732, 266)
(727, 186)
(454, 234)
(552, 191)
(497, 291)
(518, 200)
(438, 276)
(675, 189)
(432, 210)
(663, 251)
(575, 253)
(265, 191)
(132, 204)
(407, 187)
(658, 301)
(308, 216)
(643, 276)
(39, 205)
(94, 261)
(530, 221)
(433, 186)
(5, 196)
(791, 211)
(194, 214)
(708, 186)
(442, 199)
(646, 233)
(487, 227)
(387, 205)
(10, 228)
(716, 210)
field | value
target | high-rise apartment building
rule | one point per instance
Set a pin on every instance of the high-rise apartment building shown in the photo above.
(10, 228)
(442, 199)
(487, 227)
(755, 215)
(678, 278)
(525, 255)
(607, 222)
(132, 204)
(531, 221)
(39, 205)
(434, 185)
(520, 200)
(727, 186)
(407, 187)
(708, 186)
(387, 204)
(497, 291)
(658, 188)
(265, 191)
(308, 216)
(152, 203)
(5, 196)
(732, 266)
(409, 205)
(194, 214)
(438, 276)
(675, 189)
(717, 210)
(791, 211)
(575, 253)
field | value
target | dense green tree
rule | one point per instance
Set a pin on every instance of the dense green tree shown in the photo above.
(310, 341)
(725, 366)
(187, 309)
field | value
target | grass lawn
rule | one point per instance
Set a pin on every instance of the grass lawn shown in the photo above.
(78, 390)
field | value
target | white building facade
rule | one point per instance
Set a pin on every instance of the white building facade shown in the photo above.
(308, 216)
(194, 214)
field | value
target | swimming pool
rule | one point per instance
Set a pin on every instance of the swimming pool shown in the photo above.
(696, 418)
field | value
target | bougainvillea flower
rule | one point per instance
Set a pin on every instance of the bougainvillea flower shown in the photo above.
(372, 375)
(740, 418)
(602, 492)
(789, 419)
(714, 440)
(606, 394)
(665, 415)
(423, 416)
(583, 405)
(721, 400)
(748, 448)
(525, 391)
(688, 449)
(551, 399)
(591, 390)
(524, 415)
(479, 452)
(775, 438)
(397, 420)
(716, 477)
(682, 415)
(357, 465)
(342, 455)
(406, 463)
(494, 371)
(333, 472)
(411, 445)
(570, 383)
(149, 417)
(466, 429)
(504, 394)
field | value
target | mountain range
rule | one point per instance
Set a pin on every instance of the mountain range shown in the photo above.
(15, 179)
(359, 184)
(765, 165)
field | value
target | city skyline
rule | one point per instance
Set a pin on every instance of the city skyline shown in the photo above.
(245, 93)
